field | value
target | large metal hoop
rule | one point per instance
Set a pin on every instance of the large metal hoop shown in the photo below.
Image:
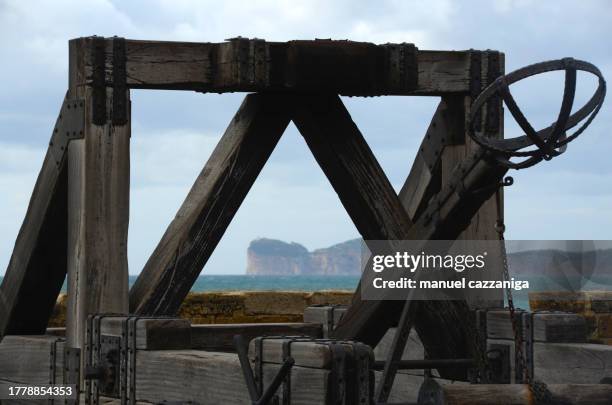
(550, 141)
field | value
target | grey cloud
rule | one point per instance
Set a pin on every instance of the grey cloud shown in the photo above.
(292, 200)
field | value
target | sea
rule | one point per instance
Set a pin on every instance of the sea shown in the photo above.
(214, 282)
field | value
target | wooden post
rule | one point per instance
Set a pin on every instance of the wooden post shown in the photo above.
(210, 206)
(98, 193)
(485, 67)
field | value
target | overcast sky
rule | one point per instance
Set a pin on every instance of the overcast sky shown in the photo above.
(174, 132)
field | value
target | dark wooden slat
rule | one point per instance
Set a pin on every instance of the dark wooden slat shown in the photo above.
(210, 205)
(351, 167)
(424, 180)
(219, 337)
(365, 192)
(343, 67)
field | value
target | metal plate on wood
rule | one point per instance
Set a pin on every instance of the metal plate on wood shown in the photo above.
(499, 361)
(69, 126)
(109, 361)
(72, 370)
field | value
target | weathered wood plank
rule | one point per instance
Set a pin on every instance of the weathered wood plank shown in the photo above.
(327, 316)
(153, 334)
(556, 327)
(424, 179)
(351, 167)
(305, 354)
(219, 337)
(486, 394)
(565, 363)
(213, 378)
(343, 67)
(98, 226)
(37, 266)
(412, 351)
(32, 359)
(211, 204)
(483, 224)
(98, 189)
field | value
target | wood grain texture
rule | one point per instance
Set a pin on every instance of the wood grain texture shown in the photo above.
(210, 206)
(305, 354)
(565, 363)
(37, 266)
(482, 224)
(98, 199)
(554, 327)
(213, 378)
(99, 179)
(240, 64)
(27, 359)
(152, 334)
(219, 337)
(424, 179)
(326, 316)
(351, 167)
(519, 394)
(376, 211)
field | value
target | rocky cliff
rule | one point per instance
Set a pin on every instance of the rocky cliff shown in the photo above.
(275, 257)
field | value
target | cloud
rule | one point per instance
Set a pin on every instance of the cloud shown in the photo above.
(174, 132)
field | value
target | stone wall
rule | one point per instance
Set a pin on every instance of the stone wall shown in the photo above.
(240, 307)
(595, 306)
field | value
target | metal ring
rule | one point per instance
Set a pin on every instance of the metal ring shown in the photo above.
(552, 140)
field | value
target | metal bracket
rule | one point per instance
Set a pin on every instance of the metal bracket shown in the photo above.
(105, 369)
(499, 363)
(363, 365)
(527, 330)
(120, 89)
(494, 107)
(72, 370)
(68, 126)
(97, 364)
(336, 393)
(98, 57)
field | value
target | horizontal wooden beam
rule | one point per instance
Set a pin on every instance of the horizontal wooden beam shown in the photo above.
(559, 327)
(486, 394)
(214, 378)
(220, 336)
(243, 65)
(152, 333)
(35, 359)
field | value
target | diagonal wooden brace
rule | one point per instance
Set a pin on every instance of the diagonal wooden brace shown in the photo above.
(211, 204)
(37, 267)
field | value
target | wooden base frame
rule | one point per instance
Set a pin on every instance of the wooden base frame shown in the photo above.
(77, 222)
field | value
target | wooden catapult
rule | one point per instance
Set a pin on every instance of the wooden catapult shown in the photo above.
(122, 343)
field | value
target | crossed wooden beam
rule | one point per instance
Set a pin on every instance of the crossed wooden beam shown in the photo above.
(78, 214)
